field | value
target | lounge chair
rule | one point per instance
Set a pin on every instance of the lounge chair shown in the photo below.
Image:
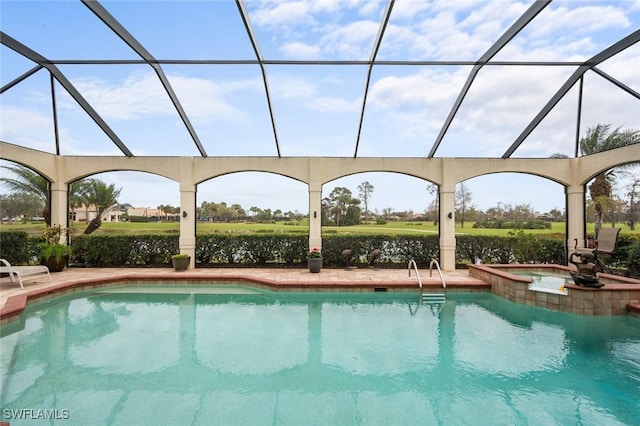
(606, 243)
(23, 272)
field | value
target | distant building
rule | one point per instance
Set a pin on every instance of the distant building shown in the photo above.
(87, 214)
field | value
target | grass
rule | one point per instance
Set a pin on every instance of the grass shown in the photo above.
(557, 228)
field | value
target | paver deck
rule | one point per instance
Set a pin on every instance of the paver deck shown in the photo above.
(290, 278)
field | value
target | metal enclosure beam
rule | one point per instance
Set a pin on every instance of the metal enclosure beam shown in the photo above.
(517, 26)
(19, 79)
(618, 83)
(376, 46)
(20, 48)
(131, 41)
(587, 65)
(254, 43)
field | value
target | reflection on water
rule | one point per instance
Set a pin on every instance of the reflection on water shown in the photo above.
(319, 359)
(357, 339)
(479, 334)
(251, 339)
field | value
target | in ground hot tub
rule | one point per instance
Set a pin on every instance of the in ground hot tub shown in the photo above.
(515, 282)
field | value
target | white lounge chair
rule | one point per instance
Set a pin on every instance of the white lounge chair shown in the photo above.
(23, 272)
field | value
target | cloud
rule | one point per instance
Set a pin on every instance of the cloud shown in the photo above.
(579, 20)
(300, 50)
(354, 40)
(304, 93)
(282, 15)
(141, 95)
(26, 128)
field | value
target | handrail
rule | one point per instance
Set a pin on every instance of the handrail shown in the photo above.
(417, 273)
(435, 262)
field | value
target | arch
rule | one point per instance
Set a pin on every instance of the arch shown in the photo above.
(402, 181)
(567, 171)
(593, 165)
(561, 189)
(270, 171)
(259, 183)
(422, 168)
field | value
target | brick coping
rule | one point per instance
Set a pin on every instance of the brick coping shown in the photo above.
(613, 283)
(16, 304)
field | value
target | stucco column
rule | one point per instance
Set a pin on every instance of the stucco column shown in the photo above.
(58, 202)
(575, 216)
(315, 204)
(188, 221)
(447, 193)
(315, 216)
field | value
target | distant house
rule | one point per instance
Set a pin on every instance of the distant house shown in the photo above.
(152, 214)
(87, 214)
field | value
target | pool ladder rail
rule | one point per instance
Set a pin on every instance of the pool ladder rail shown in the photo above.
(430, 298)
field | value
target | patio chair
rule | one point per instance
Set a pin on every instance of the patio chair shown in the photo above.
(23, 272)
(605, 244)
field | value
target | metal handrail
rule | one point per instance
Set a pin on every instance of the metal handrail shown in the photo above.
(435, 262)
(413, 262)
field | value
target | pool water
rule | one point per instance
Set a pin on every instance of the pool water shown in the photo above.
(180, 355)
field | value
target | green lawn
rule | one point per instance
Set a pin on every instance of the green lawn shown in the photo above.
(301, 227)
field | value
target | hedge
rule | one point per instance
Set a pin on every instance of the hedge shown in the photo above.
(289, 250)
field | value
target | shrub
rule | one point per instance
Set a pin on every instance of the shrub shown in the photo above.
(290, 249)
(14, 247)
(633, 260)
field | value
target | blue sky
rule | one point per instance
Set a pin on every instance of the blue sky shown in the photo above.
(317, 107)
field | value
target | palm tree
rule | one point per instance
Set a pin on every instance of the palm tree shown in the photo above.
(29, 182)
(102, 197)
(599, 139)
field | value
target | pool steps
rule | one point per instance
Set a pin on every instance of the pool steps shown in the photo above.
(434, 298)
(429, 298)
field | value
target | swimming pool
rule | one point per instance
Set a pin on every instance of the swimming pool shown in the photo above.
(182, 355)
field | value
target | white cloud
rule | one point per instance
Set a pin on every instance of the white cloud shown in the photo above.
(354, 40)
(26, 128)
(208, 100)
(305, 94)
(286, 14)
(300, 50)
(579, 20)
(141, 95)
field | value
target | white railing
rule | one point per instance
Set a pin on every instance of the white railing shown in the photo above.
(413, 262)
(435, 262)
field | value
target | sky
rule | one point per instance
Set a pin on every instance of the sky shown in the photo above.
(317, 107)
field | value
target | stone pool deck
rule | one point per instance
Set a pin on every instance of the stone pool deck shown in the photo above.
(13, 299)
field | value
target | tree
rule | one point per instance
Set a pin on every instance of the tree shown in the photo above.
(255, 211)
(29, 182)
(599, 139)
(556, 214)
(20, 204)
(102, 197)
(365, 189)
(434, 207)
(633, 208)
(167, 210)
(463, 200)
(337, 206)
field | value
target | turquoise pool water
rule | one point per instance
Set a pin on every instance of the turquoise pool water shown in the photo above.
(242, 357)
